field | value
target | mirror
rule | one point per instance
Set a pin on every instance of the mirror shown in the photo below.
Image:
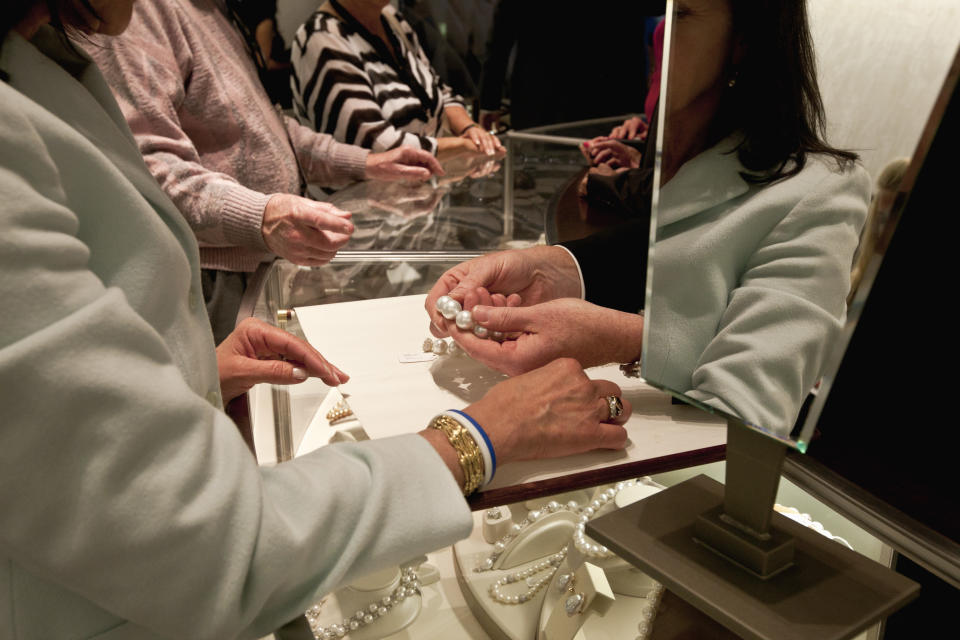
(749, 294)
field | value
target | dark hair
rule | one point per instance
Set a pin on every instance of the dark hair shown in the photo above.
(15, 11)
(775, 101)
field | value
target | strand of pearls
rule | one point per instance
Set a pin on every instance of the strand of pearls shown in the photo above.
(500, 545)
(409, 586)
(580, 541)
(451, 310)
(550, 565)
(648, 612)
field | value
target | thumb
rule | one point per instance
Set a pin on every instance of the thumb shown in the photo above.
(505, 319)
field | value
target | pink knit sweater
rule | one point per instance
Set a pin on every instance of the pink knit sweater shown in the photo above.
(206, 128)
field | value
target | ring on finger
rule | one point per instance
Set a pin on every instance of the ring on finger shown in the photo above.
(615, 406)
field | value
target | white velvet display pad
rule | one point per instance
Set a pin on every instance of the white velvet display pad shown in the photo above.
(366, 338)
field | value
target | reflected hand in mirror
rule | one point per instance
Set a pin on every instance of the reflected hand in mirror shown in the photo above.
(470, 165)
(407, 200)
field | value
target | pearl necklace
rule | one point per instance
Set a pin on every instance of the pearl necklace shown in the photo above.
(409, 586)
(550, 564)
(589, 549)
(592, 549)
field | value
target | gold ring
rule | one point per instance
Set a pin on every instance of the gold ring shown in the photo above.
(615, 405)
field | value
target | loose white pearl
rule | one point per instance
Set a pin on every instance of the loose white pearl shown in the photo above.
(442, 303)
(439, 347)
(454, 349)
(428, 345)
(480, 331)
(465, 320)
(451, 309)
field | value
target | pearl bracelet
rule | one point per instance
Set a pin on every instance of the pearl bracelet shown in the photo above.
(468, 452)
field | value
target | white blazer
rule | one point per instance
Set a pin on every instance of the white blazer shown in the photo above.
(129, 504)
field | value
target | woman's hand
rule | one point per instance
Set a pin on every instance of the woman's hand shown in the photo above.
(553, 411)
(521, 276)
(615, 154)
(484, 140)
(568, 328)
(402, 163)
(630, 129)
(304, 231)
(252, 353)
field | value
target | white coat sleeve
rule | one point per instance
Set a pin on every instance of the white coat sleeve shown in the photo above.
(120, 483)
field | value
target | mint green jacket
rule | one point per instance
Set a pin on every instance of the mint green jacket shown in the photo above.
(129, 505)
(749, 283)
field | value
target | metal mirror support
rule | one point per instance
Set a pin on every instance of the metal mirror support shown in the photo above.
(756, 572)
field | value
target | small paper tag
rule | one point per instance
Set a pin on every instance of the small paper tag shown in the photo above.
(417, 357)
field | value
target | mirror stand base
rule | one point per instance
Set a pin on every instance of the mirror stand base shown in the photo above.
(764, 556)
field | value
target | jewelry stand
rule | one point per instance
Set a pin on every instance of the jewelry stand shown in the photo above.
(754, 571)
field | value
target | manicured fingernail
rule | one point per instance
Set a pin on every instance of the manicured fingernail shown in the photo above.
(299, 374)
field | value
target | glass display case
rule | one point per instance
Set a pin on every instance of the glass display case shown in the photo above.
(407, 236)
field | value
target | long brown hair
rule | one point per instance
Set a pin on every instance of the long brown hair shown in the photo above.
(775, 101)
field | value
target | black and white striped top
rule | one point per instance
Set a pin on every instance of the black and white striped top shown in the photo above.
(347, 83)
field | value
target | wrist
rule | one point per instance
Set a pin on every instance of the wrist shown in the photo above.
(626, 337)
(446, 452)
(561, 269)
(469, 126)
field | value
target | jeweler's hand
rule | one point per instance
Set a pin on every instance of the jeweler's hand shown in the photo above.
(521, 276)
(402, 163)
(252, 353)
(553, 411)
(631, 128)
(303, 231)
(568, 327)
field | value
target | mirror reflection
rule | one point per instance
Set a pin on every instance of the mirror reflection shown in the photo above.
(770, 159)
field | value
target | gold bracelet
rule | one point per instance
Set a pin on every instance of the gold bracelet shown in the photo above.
(468, 453)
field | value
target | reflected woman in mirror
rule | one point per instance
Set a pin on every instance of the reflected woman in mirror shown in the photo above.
(757, 224)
